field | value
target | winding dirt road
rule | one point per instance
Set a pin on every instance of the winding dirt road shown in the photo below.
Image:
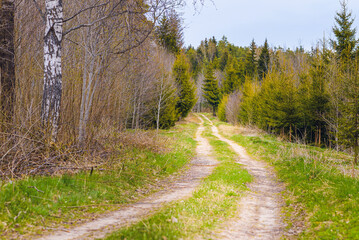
(258, 216)
(199, 168)
(259, 213)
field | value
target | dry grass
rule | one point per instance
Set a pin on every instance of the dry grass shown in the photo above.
(249, 131)
(25, 154)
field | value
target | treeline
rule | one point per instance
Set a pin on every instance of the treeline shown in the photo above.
(306, 96)
(73, 70)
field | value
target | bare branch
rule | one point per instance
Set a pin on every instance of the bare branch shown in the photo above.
(40, 11)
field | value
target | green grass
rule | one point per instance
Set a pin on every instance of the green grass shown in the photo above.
(32, 202)
(317, 193)
(214, 201)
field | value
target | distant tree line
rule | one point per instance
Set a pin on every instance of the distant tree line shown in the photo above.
(307, 96)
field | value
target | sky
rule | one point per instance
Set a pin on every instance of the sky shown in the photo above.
(285, 23)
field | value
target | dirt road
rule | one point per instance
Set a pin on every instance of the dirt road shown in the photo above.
(259, 215)
(199, 168)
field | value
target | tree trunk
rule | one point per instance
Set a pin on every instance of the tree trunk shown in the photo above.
(52, 67)
(7, 59)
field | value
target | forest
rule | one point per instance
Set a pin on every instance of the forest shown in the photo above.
(308, 97)
(112, 128)
(73, 71)
(123, 65)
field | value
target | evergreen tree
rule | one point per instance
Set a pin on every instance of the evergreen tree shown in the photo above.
(318, 104)
(248, 113)
(263, 62)
(251, 61)
(349, 118)
(186, 89)
(232, 80)
(345, 42)
(210, 89)
(222, 109)
(169, 32)
(168, 115)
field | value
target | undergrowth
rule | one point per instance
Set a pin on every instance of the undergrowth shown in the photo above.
(35, 204)
(214, 201)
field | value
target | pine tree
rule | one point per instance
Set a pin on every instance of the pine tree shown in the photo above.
(263, 62)
(186, 89)
(210, 89)
(345, 42)
(251, 61)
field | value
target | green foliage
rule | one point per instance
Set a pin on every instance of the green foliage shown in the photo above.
(349, 108)
(249, 111)
(169, 32)
(186, 88)
(318, 102)
(168, 113)
(279, 102)
(251, 61)
(345, 35)
(221, 113)
(263, 62)
(210, 89)
(232, 79)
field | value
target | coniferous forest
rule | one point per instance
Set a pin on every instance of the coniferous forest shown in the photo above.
(304, 96)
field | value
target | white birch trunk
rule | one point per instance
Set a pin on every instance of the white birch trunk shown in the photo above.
(52, 66)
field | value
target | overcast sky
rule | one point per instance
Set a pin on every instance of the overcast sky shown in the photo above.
(286, 23)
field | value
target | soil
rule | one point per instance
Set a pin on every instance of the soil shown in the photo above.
(182, 188)
(259, 212)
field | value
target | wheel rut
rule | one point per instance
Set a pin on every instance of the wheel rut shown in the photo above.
(259, 213)
(200, 167)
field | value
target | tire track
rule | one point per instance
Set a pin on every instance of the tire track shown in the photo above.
(199, 168)
(259, 213)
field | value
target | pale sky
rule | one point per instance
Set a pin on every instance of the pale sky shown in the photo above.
(286, 23)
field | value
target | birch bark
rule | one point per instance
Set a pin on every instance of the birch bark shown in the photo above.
(52, 66)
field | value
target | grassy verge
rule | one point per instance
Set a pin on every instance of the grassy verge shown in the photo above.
(318, 194)
(32, 202)
(211, 204)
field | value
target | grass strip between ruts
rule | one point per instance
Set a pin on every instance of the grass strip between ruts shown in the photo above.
(214, 201)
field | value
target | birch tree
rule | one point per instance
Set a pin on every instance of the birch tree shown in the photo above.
(52, 66)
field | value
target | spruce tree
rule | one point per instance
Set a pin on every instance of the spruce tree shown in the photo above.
(345, 42)
(251, 61)
(169, 32)
(211, 90)
(186, 89)
(318, 104)
(263, 62)
(349, 108)
(231, 81)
